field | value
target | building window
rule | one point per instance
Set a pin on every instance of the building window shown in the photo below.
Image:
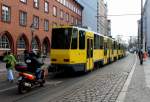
(72, 18)
(79, 22)
(54, 11)
(67, 17)
(36, 3)
(74, 42)
(5, 13)
(24, 1)
(61, 1)
(64, 2)
(76, 21)
(46, 25)
(21, 43)
(58, 0)
(61, 14)
(23, 18)
(81, 39)
(4, 42)
(36, 22)
(35, 45)
(46, 6)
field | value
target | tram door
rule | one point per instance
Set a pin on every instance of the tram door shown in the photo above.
(89, 54)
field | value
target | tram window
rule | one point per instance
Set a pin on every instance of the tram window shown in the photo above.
(105, 48)
(119, 46)
(74, 39)
(96, 42)
(109, 44)
(61, 38)
(115, 45)
(101, 42)
(81, 39)
(91, 49)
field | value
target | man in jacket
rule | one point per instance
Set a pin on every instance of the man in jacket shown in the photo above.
(10, 64)
(34, 64)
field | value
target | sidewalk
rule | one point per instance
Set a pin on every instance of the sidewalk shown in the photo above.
(2, 71)
(2, 67)
(139, 87)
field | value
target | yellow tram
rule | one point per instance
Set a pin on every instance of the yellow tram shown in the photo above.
(79, 49)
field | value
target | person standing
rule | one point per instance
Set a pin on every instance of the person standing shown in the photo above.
(141, 55)
(149, 52)
(10, 64)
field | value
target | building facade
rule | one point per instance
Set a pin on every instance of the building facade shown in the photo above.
(145, 37)
(139, 33)
(108, 27)
(90, 11)
(103, 18)
(146, 25)
(95, 15)
(27, 24)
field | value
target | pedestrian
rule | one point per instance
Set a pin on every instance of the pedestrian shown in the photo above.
(149, 52)
(141, 55)
(10, 61)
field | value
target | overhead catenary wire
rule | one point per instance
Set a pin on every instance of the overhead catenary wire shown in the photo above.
(119, 15)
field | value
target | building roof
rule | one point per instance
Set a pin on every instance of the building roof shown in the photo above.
(76, 1)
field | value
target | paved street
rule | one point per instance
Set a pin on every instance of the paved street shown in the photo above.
(101, 85)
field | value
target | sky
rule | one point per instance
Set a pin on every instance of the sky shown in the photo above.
(124, 25)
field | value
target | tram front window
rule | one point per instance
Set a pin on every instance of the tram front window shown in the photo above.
(61, 38)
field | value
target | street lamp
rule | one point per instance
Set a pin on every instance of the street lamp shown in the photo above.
(32, 33)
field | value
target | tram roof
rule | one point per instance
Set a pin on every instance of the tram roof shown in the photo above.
(83, 28)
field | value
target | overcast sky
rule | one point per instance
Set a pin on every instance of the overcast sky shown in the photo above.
(124, 25)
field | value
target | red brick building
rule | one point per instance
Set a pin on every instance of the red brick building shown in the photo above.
(27, 24)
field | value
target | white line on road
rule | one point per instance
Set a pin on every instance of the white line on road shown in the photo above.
(7, 89)
(47, 83)
(123, 92)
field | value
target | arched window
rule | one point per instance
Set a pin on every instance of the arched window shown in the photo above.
(45, 47)
(4, 42)
(21, 43)
(35, 44)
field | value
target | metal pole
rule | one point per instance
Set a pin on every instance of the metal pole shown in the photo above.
(31, 40)
(141, 25)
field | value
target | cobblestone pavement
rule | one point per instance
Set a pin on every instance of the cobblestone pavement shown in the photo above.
(103, 87)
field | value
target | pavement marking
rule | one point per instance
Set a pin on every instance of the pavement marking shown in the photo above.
(123, 92)
(47, 83)
(53, 82)
(7, 89)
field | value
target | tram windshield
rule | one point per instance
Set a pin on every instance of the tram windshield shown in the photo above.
(61, 38)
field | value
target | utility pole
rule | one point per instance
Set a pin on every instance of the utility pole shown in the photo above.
(141, 43)
(130, 42)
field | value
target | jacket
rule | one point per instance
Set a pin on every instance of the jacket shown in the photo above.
(10, 61)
